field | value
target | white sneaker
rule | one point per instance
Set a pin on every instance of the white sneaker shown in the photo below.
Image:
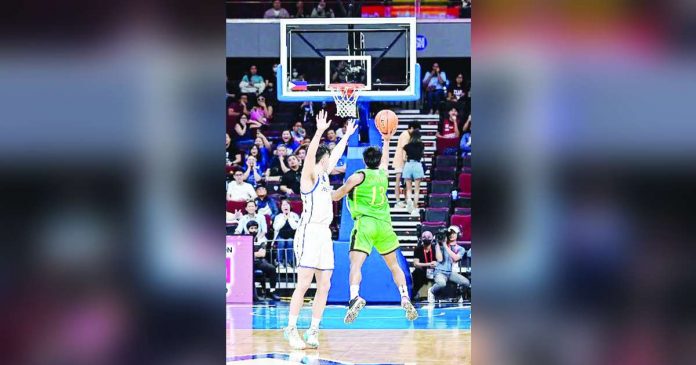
(311, 337)
(400, 204)
(294, 339)
(409, 206)
(411, 312)
(431, 296)
(415, 212)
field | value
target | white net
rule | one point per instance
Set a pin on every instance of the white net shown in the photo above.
(346, 98)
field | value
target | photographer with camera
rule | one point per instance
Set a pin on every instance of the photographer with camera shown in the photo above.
(424, 263)
(447, 253)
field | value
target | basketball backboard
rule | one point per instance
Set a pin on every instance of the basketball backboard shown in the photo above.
(379, 53)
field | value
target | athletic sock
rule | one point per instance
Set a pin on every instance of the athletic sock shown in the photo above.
(315, 323)
(354, 291)
(403, 290)
(292, 321)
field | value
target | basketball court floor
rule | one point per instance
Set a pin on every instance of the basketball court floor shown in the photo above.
(380, 335)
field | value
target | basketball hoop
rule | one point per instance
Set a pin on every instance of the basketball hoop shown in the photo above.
(346, 98)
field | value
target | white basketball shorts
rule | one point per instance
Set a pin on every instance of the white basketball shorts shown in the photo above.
(314, 247)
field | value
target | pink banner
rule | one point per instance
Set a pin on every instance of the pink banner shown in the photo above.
(240, 269)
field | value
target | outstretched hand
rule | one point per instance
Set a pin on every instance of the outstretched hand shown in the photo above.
(351, 127)
(322, 123)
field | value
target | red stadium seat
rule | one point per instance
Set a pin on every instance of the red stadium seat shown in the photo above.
(465, 184)
(464, 223)
(232, 206)
(441, 187)
(296, 206)
(446, 143)
(431, 227)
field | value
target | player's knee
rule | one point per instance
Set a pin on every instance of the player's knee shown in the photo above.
(325, 285)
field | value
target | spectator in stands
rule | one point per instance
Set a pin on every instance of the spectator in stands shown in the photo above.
(299, 10)
(331, 137)
(465, 143)
(252, 170)
(276, 11)
(233, 155)
(424, 263)
(266, 109)
(244, 132)
(447, 253)
(456, 94)
(449, 128)
(400, 160)
(301, 153)
(284, 226)
(290, 143)
(264, 146)
(413, 170)
(322, 11)
(270, 92)
(277, 166)
(251, 215)
(238, 190)
(435, 82)
(260, 263)
(252, 83)
(266, 205)
(290, 183)
(298, 133)
(341, 131)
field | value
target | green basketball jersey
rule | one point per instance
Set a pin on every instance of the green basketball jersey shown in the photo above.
(370, 197)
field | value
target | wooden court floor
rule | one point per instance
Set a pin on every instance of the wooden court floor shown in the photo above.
(407, 346)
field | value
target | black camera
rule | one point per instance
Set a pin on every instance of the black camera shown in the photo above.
(441, 235)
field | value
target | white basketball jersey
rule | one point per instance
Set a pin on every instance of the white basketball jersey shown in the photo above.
(317, 206)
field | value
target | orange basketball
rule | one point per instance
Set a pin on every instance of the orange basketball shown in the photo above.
(386, 121)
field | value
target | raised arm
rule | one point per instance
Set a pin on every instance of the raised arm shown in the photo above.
(266, 143)
(452, 254)
(308, 167)
(384, 163)
(341, 145)
(352, 182)
(438, 253)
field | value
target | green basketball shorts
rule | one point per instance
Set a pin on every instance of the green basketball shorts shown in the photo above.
(369, 232)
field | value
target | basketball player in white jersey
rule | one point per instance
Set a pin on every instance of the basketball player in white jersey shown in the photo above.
(313, 245)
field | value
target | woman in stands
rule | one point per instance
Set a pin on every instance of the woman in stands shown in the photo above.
(449, 128)
(413, 170)
(265, 108)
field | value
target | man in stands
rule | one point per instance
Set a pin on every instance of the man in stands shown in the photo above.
(260, 262)
(238, 190)
(277, 167)
(276, 11)
(266, 205)
(290, 183)
(322, 11)
(331, 137)
(424, 263)
(251, 215)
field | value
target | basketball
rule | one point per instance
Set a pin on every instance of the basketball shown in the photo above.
(386, 121)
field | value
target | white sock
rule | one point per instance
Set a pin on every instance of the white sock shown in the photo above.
(315, 323)
(292, 321)
(354, 291)
(403, 290)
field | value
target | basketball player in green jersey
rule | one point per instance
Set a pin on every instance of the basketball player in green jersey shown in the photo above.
(369, 207)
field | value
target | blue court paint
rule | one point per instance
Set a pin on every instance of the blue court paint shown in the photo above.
(446, 317)
(377, 285)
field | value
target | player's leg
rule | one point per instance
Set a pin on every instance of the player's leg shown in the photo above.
(400, 280)
(304, 280)
(356, 303)
(311, 337)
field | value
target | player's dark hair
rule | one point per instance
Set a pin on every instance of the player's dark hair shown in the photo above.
(321, 151)
(414, 125)
(372, 157)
